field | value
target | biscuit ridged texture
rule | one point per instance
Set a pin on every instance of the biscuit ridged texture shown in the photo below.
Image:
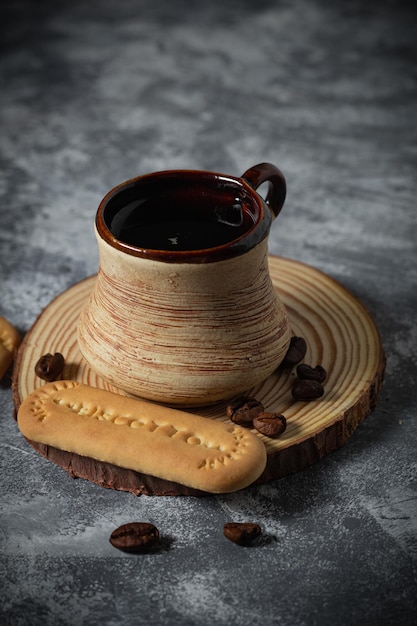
(9, 342)
(213, 456)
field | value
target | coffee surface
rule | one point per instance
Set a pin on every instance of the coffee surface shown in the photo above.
(179, 219)
(179, 235)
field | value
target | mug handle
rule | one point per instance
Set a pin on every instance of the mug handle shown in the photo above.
(277, 191)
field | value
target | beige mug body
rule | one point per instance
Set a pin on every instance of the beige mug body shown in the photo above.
(192, 322)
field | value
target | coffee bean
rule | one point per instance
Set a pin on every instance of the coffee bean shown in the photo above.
(242, 533)
(307, 390)
(295, 353)
(50, 366)
(134, 537)
(243, 410)
(306, 372)
(270, 424)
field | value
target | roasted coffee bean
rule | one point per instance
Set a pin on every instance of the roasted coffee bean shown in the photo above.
(306, 372)
(243, 410)
(50, 366)
(307, 390)
(270, 424)
(134, 537)
(242, 533)
(295, 353)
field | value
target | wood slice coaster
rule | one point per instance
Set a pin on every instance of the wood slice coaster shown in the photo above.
(340, 334)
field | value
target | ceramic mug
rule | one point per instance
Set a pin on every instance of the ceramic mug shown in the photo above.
(183, 310)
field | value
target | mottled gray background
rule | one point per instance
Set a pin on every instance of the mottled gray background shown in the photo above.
(93, 93)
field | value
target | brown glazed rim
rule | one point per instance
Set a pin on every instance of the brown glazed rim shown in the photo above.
(254, 235)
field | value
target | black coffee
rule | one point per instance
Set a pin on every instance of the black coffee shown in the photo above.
(191, 230)
(178, 235)
(178, 220)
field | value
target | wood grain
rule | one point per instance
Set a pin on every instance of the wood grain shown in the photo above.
(340, 334)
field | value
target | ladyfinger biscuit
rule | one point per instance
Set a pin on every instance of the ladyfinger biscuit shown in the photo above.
(9, 341)
(135, 434)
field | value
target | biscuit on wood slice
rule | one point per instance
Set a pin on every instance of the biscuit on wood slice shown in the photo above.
(134, 434)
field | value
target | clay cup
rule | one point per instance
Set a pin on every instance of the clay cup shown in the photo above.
(183, 310)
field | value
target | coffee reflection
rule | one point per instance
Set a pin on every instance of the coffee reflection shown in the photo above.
(171, 220)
